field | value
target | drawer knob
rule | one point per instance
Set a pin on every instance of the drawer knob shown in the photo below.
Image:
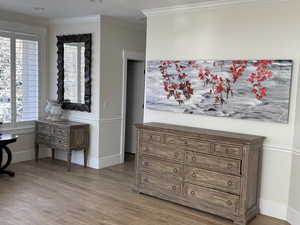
(185, 142)
(145, 180)
(229, 202)
(192, 193)
(175, 170)
(230, 183)
(174, 188)
(194, 158)
(194, 174)
(146, 164)
(230, 166)
(176, 154)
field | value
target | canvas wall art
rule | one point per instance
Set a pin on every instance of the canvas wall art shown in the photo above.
(242, 89)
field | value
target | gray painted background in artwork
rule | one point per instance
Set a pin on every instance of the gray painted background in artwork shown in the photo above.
(242, 105)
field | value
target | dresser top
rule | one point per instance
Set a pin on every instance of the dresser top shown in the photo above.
(65, 123)
(196, 132)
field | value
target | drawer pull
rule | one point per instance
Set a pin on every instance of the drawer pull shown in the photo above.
(194, 158)
(230, 183)
(185, 142)
(194, 174)
(229, 166)
(146, 164)
(229, 202)
(174, 188)
(176, 154)
(175, 170)
(171, 141)
(145, 180)
(192, 193)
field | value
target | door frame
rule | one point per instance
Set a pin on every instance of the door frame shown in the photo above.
(127, 55)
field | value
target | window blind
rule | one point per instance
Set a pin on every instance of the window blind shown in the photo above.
(19, 78)
(5, 79)
(27, 73)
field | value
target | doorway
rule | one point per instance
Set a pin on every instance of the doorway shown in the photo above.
(133, 101)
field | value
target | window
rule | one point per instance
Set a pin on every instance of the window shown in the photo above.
(19, 73)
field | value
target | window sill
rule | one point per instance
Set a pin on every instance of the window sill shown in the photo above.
(22, 129)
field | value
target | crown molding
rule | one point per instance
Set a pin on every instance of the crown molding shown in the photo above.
(201, 5)
(72, 20)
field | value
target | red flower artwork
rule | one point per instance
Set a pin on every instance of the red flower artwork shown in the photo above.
(178, 85)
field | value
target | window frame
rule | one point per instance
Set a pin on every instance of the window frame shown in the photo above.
(14, 35)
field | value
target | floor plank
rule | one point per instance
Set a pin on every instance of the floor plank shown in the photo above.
(44, 193)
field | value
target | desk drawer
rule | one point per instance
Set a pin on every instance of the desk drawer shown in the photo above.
(61, 132)
(223, 165)
(219, 181)
(151, 137)
(161, 168)
(160, 185)
(212, 198)
(163, 152)
(60, 143)
(187, 143)
(230, 151)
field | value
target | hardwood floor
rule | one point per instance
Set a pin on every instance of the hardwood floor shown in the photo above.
(45, 193)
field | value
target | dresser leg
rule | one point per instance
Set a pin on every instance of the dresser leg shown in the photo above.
(53, 153)
(36, 152)
(85, 157)
(69, 160)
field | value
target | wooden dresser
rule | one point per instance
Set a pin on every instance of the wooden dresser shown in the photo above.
(66, 135)
(213, 171)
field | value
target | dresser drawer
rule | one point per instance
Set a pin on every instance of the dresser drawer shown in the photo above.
(151, 137)
(43, 128)
(60, 143)
(161, 168)
(212, 198)
(43, 139)
(159, 184)
(213, 180)
(187, 143)
(231, 151)
(223, 165)
(60, 132)
(163, 152)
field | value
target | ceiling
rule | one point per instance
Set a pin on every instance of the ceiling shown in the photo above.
(50, 9)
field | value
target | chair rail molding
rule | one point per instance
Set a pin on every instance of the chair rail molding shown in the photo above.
(203, 5)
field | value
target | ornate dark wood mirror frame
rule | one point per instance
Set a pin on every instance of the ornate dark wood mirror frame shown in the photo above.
(61, 40)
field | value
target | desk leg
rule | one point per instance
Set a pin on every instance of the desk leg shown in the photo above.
(85, 157)
(9, 158)
(69, 160)
(53, 153)
(37, 152)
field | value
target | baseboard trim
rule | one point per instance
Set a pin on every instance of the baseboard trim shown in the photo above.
(293, 216)
(108, 161)
(273, 209)
(26, 155)
(77, 158)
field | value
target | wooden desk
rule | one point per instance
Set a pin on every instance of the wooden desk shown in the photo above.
(6, 139)
(65, 135)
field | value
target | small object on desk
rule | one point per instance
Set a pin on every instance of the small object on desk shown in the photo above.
(63, 135)
(6, 139)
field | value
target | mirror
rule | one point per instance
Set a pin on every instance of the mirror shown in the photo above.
(74, 71)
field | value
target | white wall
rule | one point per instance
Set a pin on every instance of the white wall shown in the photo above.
(79, 26)
(245, 31)
(116, 36)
